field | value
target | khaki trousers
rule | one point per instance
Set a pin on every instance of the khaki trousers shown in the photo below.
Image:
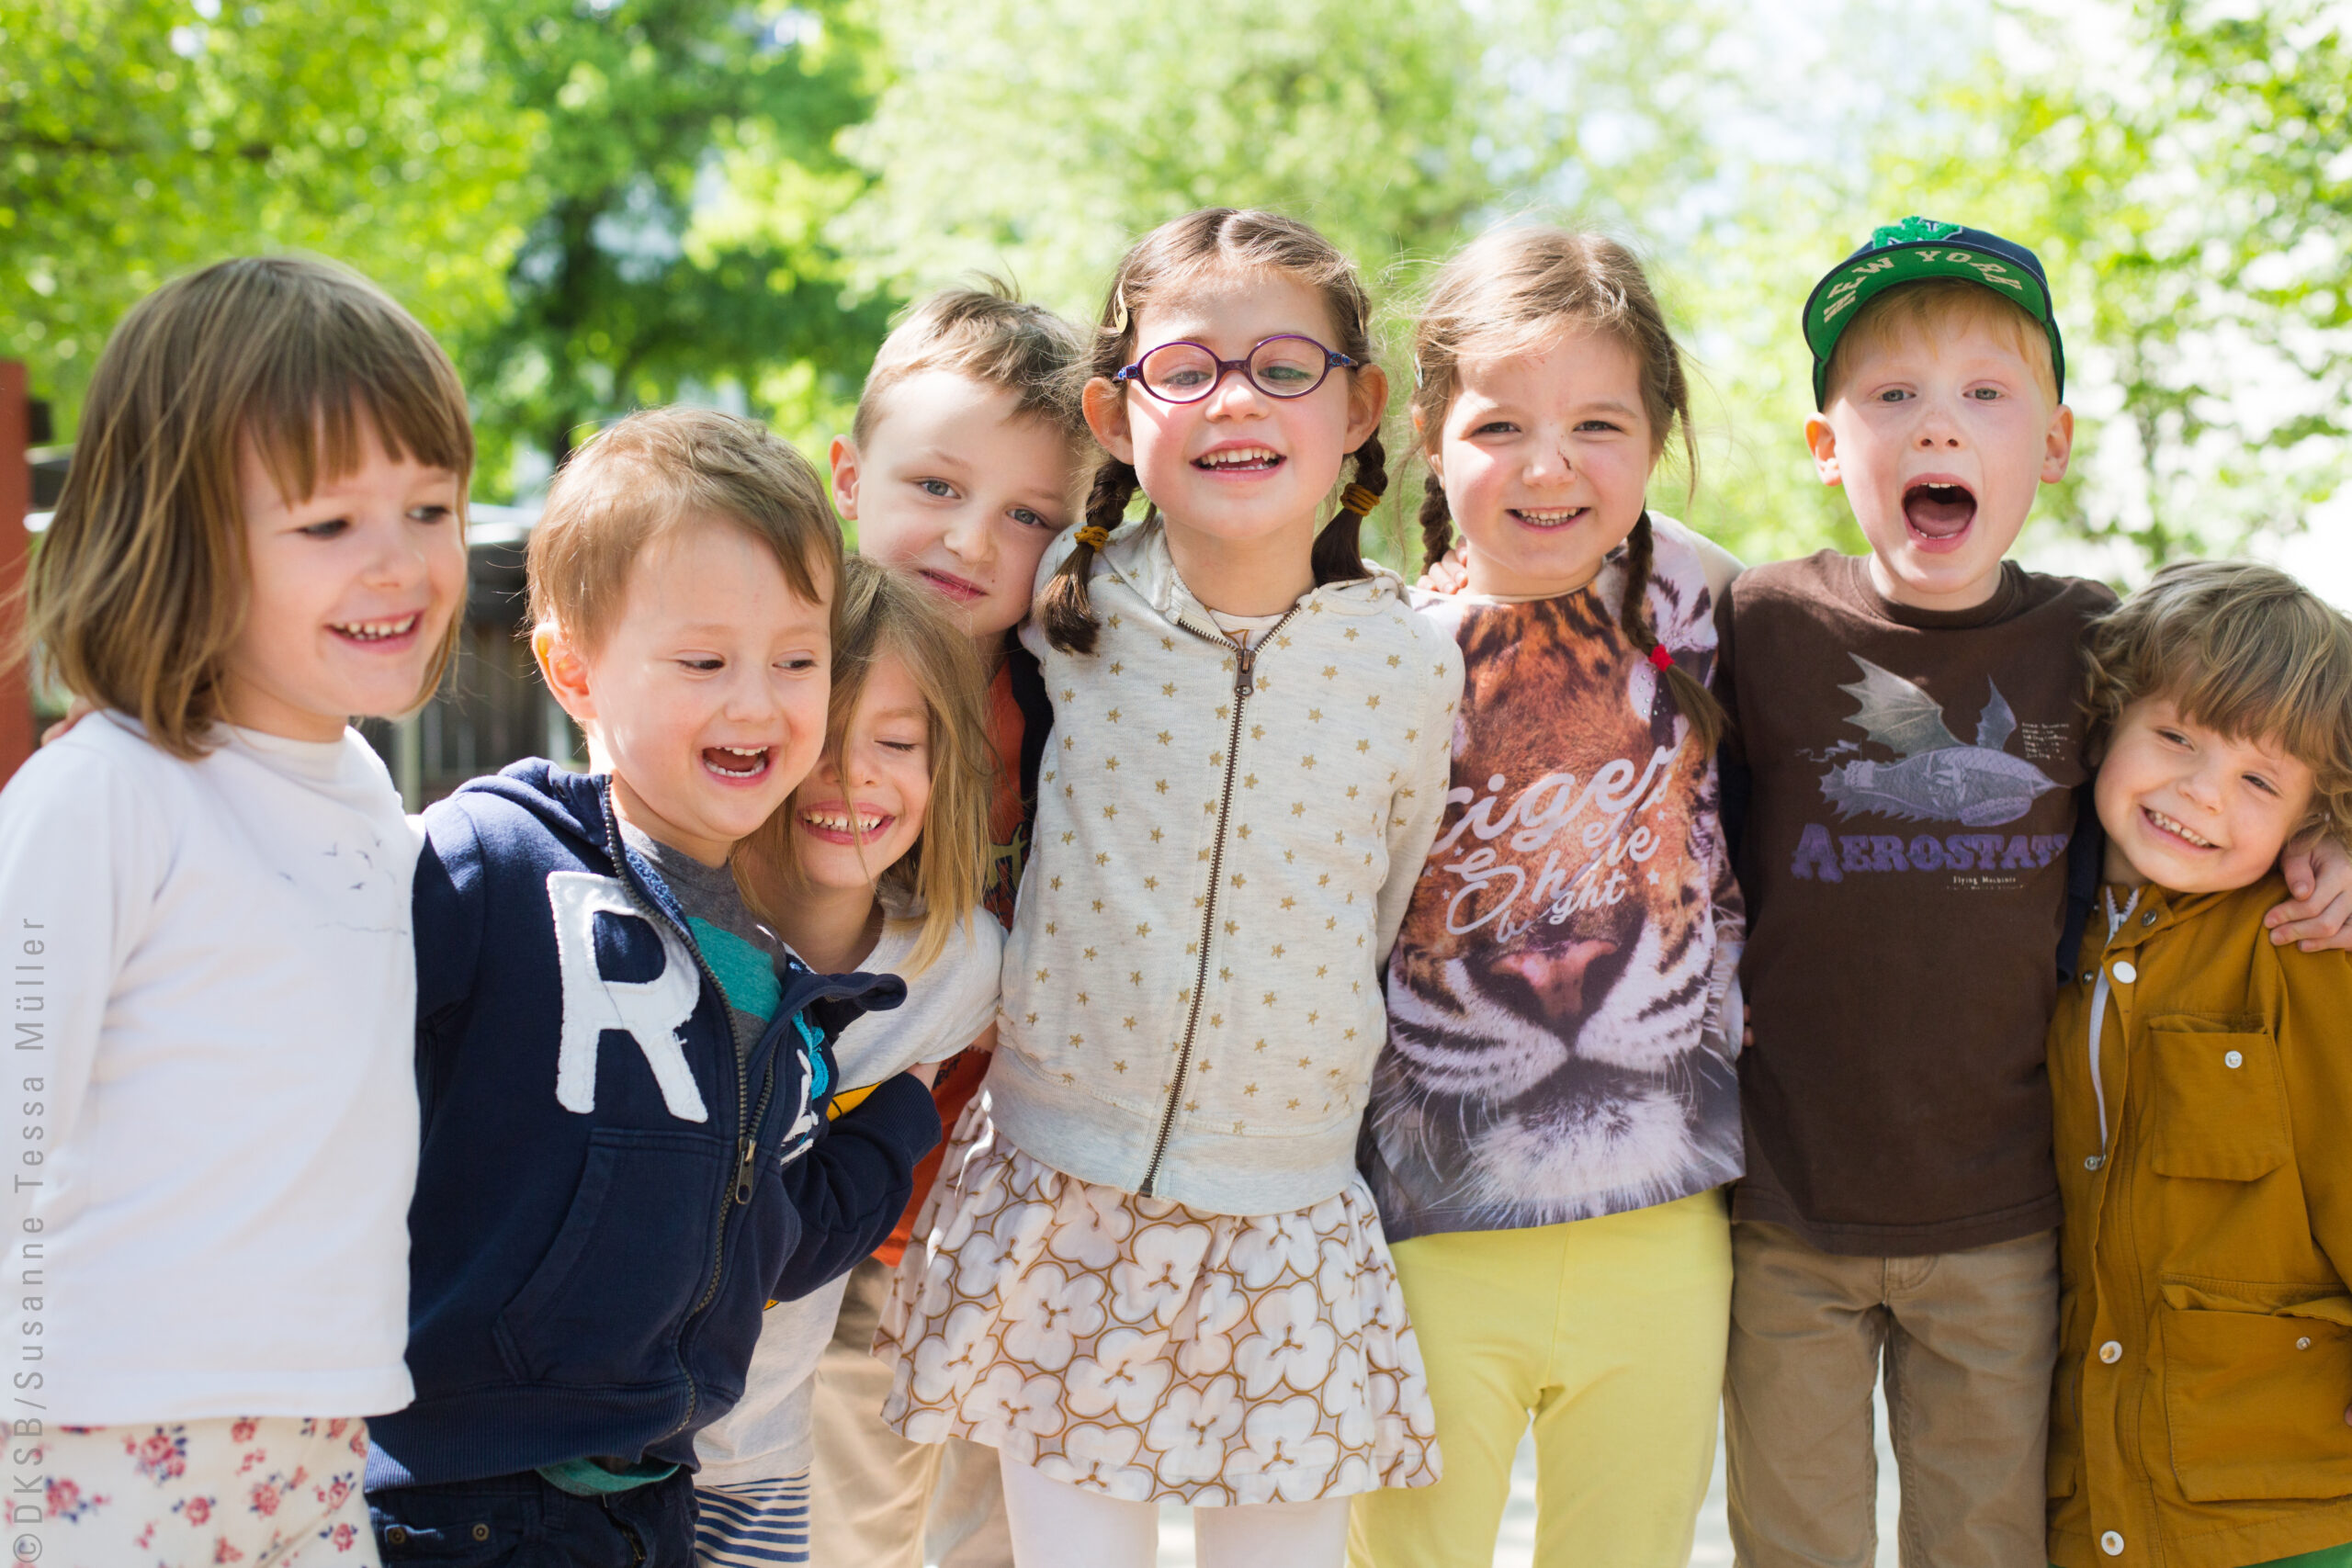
(881, 1501)
(1967, 1340)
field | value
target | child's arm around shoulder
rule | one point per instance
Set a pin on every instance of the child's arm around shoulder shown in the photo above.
(852, 1184)
(2319, 873)
(1718, 565)
(1418, 804)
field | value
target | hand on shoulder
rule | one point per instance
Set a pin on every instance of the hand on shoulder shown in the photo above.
(2319, 873)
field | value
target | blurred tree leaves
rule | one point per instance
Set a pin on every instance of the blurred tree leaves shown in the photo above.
(1037, 139)
(686, 166)
(1043, 136)
(2185, 170)
(2214, 218)
(596, 205)
(604, 203)
(140, 138)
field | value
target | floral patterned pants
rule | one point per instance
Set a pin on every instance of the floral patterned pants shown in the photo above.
(260, 1492)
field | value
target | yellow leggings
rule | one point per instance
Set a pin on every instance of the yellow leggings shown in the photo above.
(1609, 1333)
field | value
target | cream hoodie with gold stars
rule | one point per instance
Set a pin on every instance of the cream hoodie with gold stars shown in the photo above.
(1224, 849)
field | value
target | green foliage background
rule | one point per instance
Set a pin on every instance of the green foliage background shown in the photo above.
(605, 203)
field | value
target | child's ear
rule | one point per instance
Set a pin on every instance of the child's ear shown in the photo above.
(1428, 449)
(1823, 442)
(844, 461)
(1367, 402)
(1105, 403)
(2058, 446)
(565, 672)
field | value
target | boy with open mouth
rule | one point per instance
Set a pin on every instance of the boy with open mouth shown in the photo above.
(625, 1076)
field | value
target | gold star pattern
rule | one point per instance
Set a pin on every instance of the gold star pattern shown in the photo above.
(1136, 878)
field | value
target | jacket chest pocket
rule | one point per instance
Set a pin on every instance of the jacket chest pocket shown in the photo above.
(2220, 1109)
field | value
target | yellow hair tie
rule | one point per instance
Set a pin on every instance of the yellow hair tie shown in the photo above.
(1359, 498)
(1094, 536)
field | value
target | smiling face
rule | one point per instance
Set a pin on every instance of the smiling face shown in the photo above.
(351, 593)
(1239, 471)
(1544, 457)
(954, 486)
(706, 698)
(860, 810)
(2192, 809)
(1940, 439)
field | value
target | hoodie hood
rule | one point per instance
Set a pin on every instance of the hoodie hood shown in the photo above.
(571, 803)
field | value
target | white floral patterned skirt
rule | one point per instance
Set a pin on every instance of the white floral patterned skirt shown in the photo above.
(1140, 1348)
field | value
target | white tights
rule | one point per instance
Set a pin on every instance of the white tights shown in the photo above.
(1056, 1525)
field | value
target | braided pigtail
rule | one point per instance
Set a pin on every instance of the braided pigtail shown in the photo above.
(1338, 546)
(1698, 704)
(1064, 607)
(1437, 521)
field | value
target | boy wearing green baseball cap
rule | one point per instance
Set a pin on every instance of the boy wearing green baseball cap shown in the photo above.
(1908, 729)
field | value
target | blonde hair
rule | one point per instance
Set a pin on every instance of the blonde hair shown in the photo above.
(1175, 254)
(987, 334)
(645, 475)
(1934, 308)
(2241, 648)
(140, 587)
(1510, 291)
(879, 614)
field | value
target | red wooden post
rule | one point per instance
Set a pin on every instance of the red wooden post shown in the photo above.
(15, 501)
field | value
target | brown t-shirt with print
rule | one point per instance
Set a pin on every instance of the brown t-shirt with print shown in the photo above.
(1912, 778)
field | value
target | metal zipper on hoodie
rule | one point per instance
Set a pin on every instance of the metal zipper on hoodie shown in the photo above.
(616, 850)
(1244, 683)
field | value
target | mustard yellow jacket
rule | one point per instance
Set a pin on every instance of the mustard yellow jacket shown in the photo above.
(2203, 1089)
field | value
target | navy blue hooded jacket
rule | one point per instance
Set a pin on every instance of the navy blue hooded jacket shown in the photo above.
(606, 1200)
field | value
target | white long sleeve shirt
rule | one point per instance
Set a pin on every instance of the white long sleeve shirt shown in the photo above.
(212, 1000)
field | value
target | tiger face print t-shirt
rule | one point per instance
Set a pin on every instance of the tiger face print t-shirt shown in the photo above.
(1563, 1001)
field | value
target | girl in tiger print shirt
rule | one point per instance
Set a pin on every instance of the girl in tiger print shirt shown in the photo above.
(1556, 1110)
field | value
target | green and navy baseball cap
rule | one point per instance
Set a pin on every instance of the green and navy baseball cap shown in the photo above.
(1915, 249)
